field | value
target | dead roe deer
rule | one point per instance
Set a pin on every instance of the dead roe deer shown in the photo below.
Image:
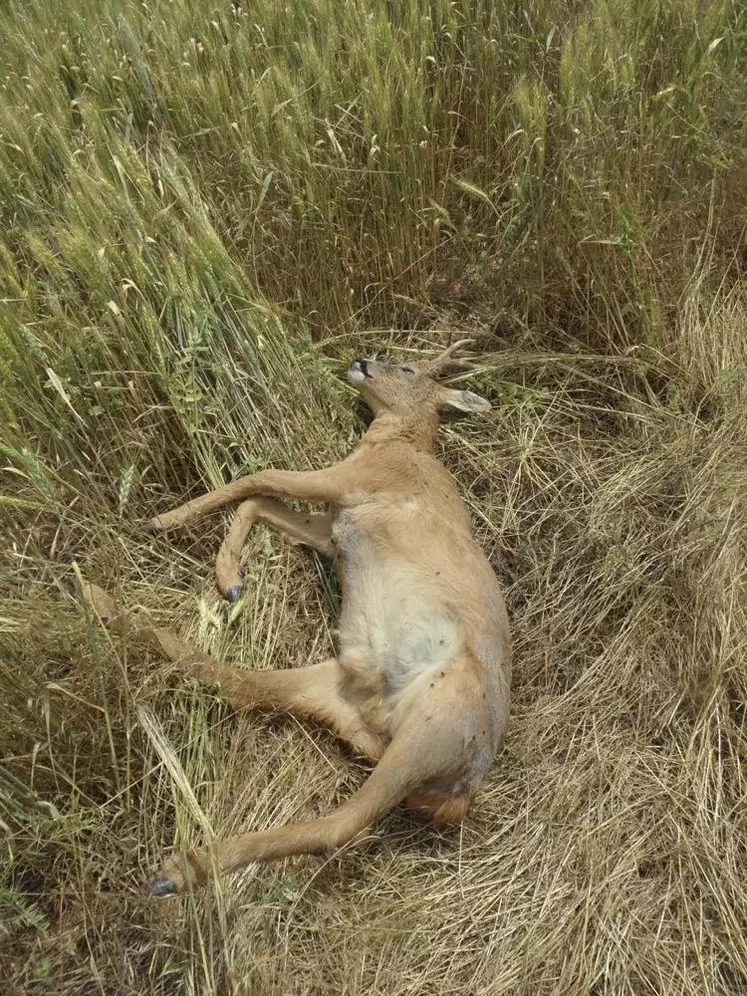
(420, 683)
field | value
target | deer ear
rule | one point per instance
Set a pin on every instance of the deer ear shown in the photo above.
(463, 401)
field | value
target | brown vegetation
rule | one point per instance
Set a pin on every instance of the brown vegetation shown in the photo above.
(207, 210)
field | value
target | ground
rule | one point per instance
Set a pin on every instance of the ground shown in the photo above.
(208, 209)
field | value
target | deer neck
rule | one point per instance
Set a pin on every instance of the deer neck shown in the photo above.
(417, 428)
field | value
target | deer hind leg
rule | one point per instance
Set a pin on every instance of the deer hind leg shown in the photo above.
(312, 530)
(308, 692)
(139, 627)
(412, 759)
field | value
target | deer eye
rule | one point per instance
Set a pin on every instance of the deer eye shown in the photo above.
(407, 370)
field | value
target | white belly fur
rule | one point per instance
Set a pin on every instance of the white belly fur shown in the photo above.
(389, 616)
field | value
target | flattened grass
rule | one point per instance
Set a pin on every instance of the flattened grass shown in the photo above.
(207, 209)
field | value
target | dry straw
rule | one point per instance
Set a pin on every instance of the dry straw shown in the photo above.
(206, 208)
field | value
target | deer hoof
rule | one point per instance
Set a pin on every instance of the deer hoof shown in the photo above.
(234, 593)
(162, 888)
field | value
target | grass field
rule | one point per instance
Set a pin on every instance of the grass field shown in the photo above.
(208, 209)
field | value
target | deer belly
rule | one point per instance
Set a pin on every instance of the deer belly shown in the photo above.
(391, 618)
(416, 644)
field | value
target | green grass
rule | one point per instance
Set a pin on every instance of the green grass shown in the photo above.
(207, 209)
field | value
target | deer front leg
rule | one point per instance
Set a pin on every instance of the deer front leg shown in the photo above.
(311, 485)
(312, 530)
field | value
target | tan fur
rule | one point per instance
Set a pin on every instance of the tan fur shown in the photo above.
(421, 680)
(311, 530)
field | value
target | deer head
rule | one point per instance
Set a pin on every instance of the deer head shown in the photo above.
(411, 388)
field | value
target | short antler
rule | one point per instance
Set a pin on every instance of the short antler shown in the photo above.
(447, 361)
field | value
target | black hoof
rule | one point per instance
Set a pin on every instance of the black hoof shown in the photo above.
(150, 528)
(162, 888)
(234, 593)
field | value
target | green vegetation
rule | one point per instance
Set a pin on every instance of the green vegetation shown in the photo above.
(207, 208)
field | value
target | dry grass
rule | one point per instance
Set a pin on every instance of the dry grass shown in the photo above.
(206, 210)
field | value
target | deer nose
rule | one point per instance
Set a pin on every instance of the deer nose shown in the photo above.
(358, 371)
